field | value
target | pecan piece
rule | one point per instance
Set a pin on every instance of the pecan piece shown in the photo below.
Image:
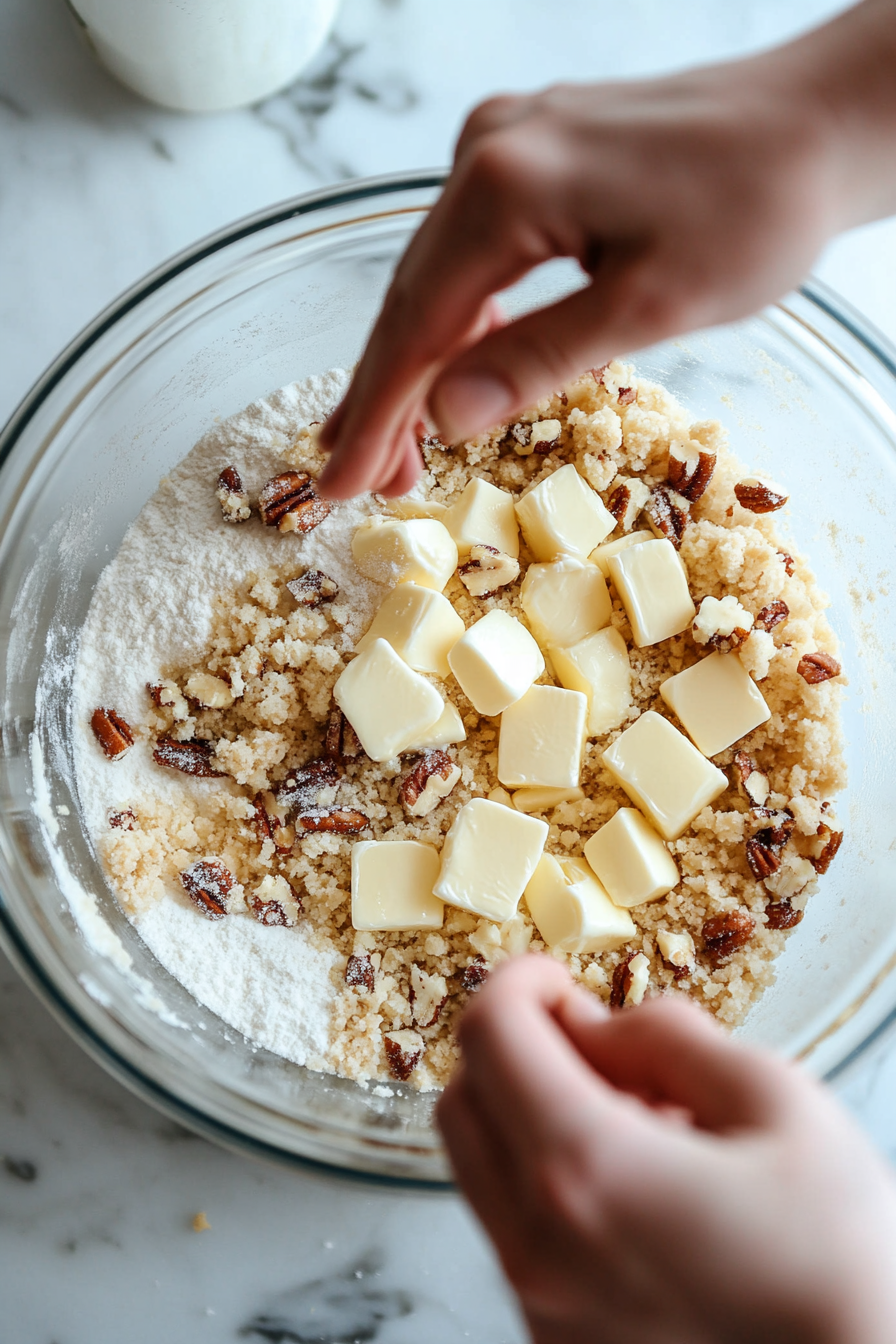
(787, 562)
(723, 935)
(772, 614)
(545, 436)
(668, 514)
(781, 915)
(822, 861)
(428, 996)
(474, 975)
(690, 476)
(519, 436)
(487, 570)
(112, 732)
(404, 1051)
(167, 695)
(276, 902)
(341, 742)
(268, 826)
(359, 972)
(759, 496)
(762, 857)
(598, 374)
(818, 666)
(301, 789)
(626, 501)
(232, 497)
(431, 779)
(289, 501)
(626, 395)
(754, 781)
(339, 820)
(208, 884)
(313, 588)
(191, 758)
(629, 981)
(123, 821)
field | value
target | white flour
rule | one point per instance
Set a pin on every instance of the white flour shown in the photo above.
(152, 607)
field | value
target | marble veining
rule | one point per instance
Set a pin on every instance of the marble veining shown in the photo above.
(346, 1305)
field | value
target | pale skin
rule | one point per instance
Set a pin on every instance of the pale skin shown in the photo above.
(643, 1178)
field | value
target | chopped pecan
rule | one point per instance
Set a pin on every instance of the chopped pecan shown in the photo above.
(339, 820)
(833, 840)
(762, 857)
(359, 972)
(781, 915)
(431, 779)
(404, 1050)
(428, 996)
(667, 517)
(487, 570)
(618, 502)
(777, 833)
(772, 614)
(208, 884)
(818, 666)
(268, 826)
(545, 436)
(276, 902)
(232, 497)
(341, 742)
(690, 476)
(112, 732)
(167, 695)
(191, 758)
(520, 435)
(723, 935)
(626, 395)
(123, 821)
(622, 982)
(313, 588)
(301, 790)
(598, 374)
(208, 691)
(787, 562)
(289, 501)
(759, 496)
(474, 975)
(754, 782)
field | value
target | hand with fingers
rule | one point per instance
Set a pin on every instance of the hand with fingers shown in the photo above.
(686, 201)
(646, 1180)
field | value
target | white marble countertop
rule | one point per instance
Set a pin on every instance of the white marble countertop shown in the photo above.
(97, 1191)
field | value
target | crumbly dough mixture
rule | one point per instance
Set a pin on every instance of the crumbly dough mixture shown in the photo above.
(286, 660)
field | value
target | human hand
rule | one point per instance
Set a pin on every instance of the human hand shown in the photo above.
(646, 1180)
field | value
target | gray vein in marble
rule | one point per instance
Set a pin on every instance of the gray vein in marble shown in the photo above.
(20, 1168)
(336, 1309)
(9, 104)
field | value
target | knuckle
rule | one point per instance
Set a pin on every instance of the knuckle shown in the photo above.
(489, 114)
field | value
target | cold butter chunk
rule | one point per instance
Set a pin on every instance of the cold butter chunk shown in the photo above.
(631, 860)
(388, 704)
(485, 515)
(420, 624)
(489, 855)
(541, 739)
(572, 911)
(392, 882)
(717, 701)
(405, 550)
(599, 667)
(495, 662)
(663, 774)
(448, 728)
(562, 515)
(601, 556)
(651, 582)
(565, 601)
(542, 799)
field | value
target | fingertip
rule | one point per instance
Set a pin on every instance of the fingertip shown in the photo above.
(467, 401)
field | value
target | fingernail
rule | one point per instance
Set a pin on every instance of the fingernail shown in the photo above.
(465, 403)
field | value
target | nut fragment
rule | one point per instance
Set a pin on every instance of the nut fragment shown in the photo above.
(762, 857)
(668, 514)
(545, 436)
(626, 500)
(428, 996)
(759, 495)
(781, 915)
(630, 980)
(474, 975)
(208, 884)
(818, 666)
(830, 843)
(722, 623)
(112, 732)
(313, 588)
(519, 436)
(208, 691)
(678, 950)
(290, 502)
(123, 821)
(275, 902)
(431, 779)
(487, 570)
(338, 820)
(302, 789)
(690, 476)
(341, 742)
(754, 781)
(787, 562)
(191, 758)
(359, 972)
(404, 1051)
(626, 395)
(167, 695)
(723, 935)
(232, 497)
(772, 614)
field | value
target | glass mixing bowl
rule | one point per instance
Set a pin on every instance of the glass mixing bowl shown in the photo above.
(808, 392)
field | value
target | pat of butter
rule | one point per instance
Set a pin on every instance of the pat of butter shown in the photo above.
(631, 860)
(601, 556)
(565, 601)
(405, 550)
(448, 728)
(572, 911)
(651, 582)
(599, 667)
(541, 739)
(420, 624)
(543, 799)
(392, 884)
(388, 704)
(411, 506)
(484, 515)
(488, 857)
(717, 701)
(562, 515)
(495, 662)
(663, 774)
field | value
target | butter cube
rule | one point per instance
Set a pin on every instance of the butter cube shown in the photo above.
(541, 739)
(717, 701)
(495, 662)
(565, 601)
(663, 774)
(571, 910)
(388, 704)
(414, 506)
(392, 882)
(448, 728)
(562, 515)
(631, 860)
(599, 667)
(420, 624)
(601, 556)
(543, 799)
(651, 582)
(488, 857)
(485, 515)
(405, 550)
